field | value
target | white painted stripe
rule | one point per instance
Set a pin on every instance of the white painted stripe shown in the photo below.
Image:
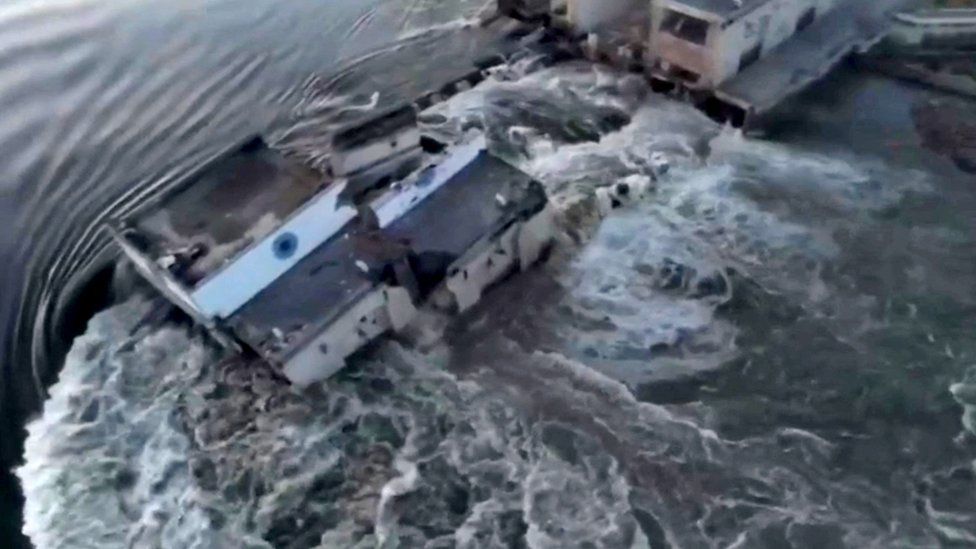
(224, 293)
(229, 289)
(409, 197)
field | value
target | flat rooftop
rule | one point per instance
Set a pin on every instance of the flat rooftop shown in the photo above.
(231, 203)
(442, 227)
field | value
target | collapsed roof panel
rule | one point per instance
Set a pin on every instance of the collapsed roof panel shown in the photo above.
(306, 292)
(422, 229)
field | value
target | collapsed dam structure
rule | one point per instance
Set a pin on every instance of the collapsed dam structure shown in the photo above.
(653, 38)
(736, 59)
(385, 230)
(696, 48)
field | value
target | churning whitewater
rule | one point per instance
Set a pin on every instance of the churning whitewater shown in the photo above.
(111, 103)
(698, 365)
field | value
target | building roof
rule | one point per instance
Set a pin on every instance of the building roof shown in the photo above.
(227, 205)
(446, 223)
(808, 55)
(719, 9)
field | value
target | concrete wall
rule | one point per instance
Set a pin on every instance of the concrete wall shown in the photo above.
(935, 29)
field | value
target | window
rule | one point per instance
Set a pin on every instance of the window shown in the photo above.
(685, 27)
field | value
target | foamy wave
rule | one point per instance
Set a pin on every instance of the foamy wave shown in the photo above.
(524, 425)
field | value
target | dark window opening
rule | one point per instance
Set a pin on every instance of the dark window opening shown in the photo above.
(685, 27)
(750, 56)
(659, 85)
(431, 145)
(806, 19)
(681, 73)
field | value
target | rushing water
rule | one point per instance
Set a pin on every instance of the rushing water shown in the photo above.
(104, 102)
(772, 349)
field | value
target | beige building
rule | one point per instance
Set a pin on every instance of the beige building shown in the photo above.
(703, 43)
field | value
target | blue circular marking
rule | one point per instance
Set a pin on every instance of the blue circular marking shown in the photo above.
(285, 246)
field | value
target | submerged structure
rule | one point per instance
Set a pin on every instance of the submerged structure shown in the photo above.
(932, 47)
(704, 43)
(935, 32)
(303, 269)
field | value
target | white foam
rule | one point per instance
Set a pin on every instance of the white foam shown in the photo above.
(162, 414)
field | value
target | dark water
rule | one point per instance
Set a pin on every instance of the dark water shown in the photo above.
(106, 102)
(111, 102)
(771, 350)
